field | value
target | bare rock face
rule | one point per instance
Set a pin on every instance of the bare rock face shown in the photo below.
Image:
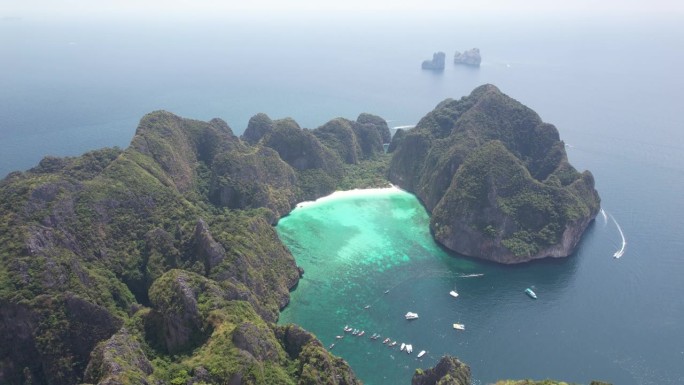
(470, 57)
(256, 341)
(436, 64)
(316, 365)
(118, 360)
(496, 179)
(448, 371)
(206, 248)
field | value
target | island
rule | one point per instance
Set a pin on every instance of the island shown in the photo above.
(159, 263)
(495, 178)
(469, 57)
(437, 62)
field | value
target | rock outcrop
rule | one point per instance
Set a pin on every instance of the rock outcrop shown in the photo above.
(437, 62)
(448, 371)
(172, 236)
(470, 57)
(496, 179)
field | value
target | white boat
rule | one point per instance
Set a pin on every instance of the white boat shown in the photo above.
(409, 349)
(411, 315)
(459, 326)
(453, 293)
(403, 345)
(393, 343)
(422, 353)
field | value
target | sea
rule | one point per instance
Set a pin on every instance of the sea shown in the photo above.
(612, 84)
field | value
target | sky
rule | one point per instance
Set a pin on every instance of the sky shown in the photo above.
(152, 8)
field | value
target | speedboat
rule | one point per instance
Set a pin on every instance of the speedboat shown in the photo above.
(347, 329)
(422, 353)
(409, 349)
(362, 332)
(386, 340)
(453, 293)
(393, 343)
(403, 345)
(410, 316)
(459, 326)
(531, 293)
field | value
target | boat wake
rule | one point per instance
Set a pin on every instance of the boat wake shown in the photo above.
(620, 252)
(470, 275)
(605, 217)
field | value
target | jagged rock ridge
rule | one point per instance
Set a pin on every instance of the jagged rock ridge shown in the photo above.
(167, 247)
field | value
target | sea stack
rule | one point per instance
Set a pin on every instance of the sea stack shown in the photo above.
(470, 57)
(437, 62)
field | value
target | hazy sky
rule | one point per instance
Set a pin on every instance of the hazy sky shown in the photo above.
(22, 8)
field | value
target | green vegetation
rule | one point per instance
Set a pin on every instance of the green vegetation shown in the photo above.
(496, 179)
(159, 264)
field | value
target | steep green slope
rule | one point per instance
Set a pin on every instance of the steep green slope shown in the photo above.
(496, 179)
(158, 263)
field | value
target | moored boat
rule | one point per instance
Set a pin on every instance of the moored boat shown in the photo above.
(403, 345)
(410, 316)
(453, 293)
(459, 326)
(422, 353)
(409, 349)
(362, 332)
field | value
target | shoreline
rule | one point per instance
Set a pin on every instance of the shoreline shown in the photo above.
(355, 193)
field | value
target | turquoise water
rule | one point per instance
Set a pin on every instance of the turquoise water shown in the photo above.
(612, 85)
(375, 250)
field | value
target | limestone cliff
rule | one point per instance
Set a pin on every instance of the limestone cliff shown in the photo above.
(496, 179)
(170, 237)
(469, 57)
(436, 64)
(448, 371)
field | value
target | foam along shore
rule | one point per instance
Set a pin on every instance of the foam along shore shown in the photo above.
(337, 195)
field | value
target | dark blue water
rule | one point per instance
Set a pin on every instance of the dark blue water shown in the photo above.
(611, 86)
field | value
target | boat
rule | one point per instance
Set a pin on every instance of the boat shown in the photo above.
(409, 349)
(410, 315)
(531, 293)
(331, 346)
(459, 326)
(422, 353)
(386, 340)
(367, 307)
(386, 291)
(355, 331)
(339, 337)
(375, 336)
(403, 345)
(362, 332)
(453, 293)
(347, 329)
(393, 343)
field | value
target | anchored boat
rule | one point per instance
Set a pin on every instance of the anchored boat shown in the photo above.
(410, 315)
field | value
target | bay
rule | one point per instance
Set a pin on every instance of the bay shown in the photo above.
(612, 86)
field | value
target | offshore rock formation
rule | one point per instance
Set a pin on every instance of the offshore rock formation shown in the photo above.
(448, 371)
(470, 57)
(166, 247)
(437, 62)
(496, 179)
